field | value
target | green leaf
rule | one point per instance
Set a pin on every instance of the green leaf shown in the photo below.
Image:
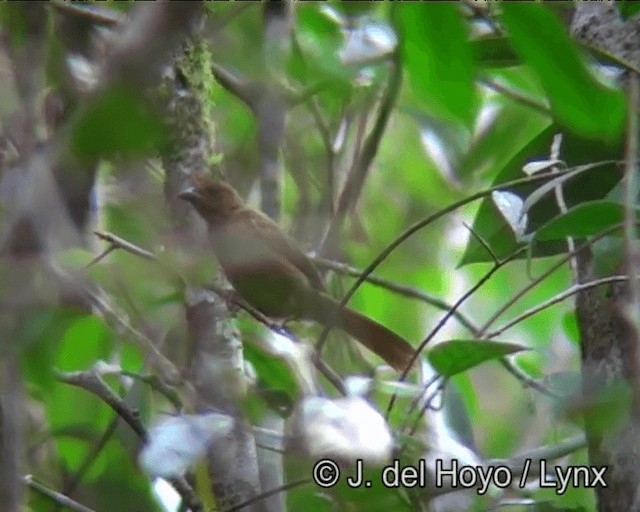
(438, 59)
(320, 38)
(494, 52)
(578, 100)
(488, 153)
(628, 9)
(40, 336)
(584, 220)
(75, 258)
(456, 356)
(118, 122)
(274, 372)
(85, 341)
(588, 186)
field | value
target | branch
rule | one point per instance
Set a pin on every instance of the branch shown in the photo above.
(267, 494)
(573, 290)
(400, 289)
(59, 498)
(241, 89)
(517, 96)
(547, 453)
(526, 380)
(90, 381)
(120, 243)
(544, 275)
(353, 186)
(432, 218)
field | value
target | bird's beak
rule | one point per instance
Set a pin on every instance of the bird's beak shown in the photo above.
(189, 194)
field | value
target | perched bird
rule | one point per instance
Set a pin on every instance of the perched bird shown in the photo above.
(271, 272)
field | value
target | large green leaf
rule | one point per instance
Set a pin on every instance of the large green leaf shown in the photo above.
(438, 59)
(273, 372)
(116, 122)
(586, 219)
(41, 336)
(494, 52)
(587, 186)
(456, 356)
(579, 102)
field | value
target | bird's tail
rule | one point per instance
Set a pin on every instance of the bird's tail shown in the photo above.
(394, 349)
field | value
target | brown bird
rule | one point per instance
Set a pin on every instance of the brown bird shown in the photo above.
(268, 270)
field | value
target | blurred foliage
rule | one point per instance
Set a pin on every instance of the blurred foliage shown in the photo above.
(476, 105)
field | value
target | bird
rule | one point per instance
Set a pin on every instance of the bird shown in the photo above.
(272, 273)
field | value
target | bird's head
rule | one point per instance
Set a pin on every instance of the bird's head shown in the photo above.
(214, 200)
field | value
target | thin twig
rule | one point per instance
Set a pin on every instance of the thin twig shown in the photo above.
(120, 243)
(59, 498)
(432, 218)
(409, 232)
(168, 371)
(400, 289)
(94, 14)
(497, 266)
(361, 167)
(90, 457)
(238, 87)
(482, 242)
(543, 276)
(272, 492)
(573, 290)
(90, 381)
(526, 380)
(517, 96)
(546, 453)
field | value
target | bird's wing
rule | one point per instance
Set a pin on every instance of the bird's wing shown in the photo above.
(263, 228)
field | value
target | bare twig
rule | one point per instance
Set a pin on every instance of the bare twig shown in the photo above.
(400, 289)
(517, 96)
(361, 167)
(483, 243)
(526, 380)
(120, 243)
(409, 232)
(432, 218)
(59, 498)
(91, 13)
(497, 266)
(542, 277)
(241, 89)
(165, 367)
(548, 453)
(90, 381)
(90, 457)
(264, 495)
(573, 290)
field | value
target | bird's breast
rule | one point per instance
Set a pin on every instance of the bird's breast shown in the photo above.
(262, 277)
